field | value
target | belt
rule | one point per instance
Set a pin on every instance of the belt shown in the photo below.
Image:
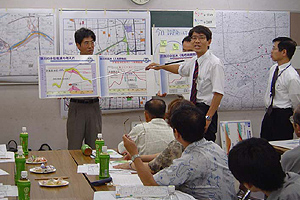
(86, 101)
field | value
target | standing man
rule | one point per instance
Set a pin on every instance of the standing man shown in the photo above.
(207, 77)
(84, 116)
(283, 92)
(187, 44)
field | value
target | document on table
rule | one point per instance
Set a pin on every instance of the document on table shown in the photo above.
(9, 157)
(126, 179)
(288, 144)
(8, 191)
(93, 169)
(2, 172)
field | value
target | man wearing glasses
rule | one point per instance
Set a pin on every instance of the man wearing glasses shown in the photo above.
(290, 160)
(84, 116)
(206, 72)
(282, 93)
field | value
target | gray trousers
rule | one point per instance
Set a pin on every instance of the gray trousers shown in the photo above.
(84, 123)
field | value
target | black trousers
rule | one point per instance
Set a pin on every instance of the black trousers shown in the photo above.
(277, 126)
(212, 129)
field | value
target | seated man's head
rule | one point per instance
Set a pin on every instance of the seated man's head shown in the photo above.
(188, 124)
(155, 108)
(175, 104)
(296, 120)
(256, 164)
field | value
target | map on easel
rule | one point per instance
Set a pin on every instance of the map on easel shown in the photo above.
(234, 131)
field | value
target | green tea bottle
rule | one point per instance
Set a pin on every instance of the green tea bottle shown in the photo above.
(24, 187)
(24, 140)
(104, 163)
(20, 161)
(99, 143)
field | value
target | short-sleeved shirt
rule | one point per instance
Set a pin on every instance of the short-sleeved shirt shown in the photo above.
(290, 189)
(287, 87)
(165, 158)
(211, 76)
(290, 160)
(202, 171)
(151, 137)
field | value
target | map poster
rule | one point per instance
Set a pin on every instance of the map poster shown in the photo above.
(126, 76)
(174, 83)
(117, 32)
(234, 131)
(25, 34)
(68, 76)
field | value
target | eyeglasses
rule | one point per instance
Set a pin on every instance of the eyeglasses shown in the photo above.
(201, 37)
(86, 43)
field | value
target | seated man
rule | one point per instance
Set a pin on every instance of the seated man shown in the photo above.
(202, 169)
(154, 136)
(290, 160)
(256, 165)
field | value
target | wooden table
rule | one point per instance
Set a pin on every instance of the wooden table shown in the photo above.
(280, 150)
(81, 159)
(78, 188)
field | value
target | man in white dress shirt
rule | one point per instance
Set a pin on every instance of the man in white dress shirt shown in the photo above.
(206, 73)
(155, 135)
(283, 92)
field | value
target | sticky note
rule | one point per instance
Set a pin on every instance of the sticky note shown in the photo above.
(175, 46)
(162, 49)
(163, 43)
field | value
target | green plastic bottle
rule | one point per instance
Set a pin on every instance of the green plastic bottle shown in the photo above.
(24, 187)
(20, 161)
(104, 163)
(24, 140)
(99, 143)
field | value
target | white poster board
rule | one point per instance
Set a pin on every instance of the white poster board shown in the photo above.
(234, 131)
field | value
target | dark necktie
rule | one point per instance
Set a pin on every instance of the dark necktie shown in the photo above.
(193, 97)
(272, 90)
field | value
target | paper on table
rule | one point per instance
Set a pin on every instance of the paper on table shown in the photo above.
(289, 144)
(125, 179)
(112, 153)
(3, 151)
(2, 172)
(89, 169)
(9, 190)
(107, 195)
(142, 191)
(10, 157)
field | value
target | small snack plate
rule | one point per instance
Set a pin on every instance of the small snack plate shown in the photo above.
(53, 183)
(36, 160)
(48, 169)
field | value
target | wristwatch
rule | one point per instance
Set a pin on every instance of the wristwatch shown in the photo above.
(208, 118)
(134, 157)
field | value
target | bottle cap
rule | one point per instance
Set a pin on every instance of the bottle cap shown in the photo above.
(99, 135)
(104, 149)
(24, 174)
(23, 129)
(20, 151)
(20, 147)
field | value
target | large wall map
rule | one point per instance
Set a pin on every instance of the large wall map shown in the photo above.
(24, 35)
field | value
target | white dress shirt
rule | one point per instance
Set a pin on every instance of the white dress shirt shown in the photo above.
(211, 76)
(287, 87)
(150, 138)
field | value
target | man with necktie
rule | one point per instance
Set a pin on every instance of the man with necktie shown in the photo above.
(206, 72)
(283, 92)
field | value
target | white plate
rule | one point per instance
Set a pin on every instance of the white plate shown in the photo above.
(44, 184)
(38, 170)
(38, 162)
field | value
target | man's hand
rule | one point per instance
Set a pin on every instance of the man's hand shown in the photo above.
(130, 145)
(122, 166)
(126, 155)
(153, 66)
